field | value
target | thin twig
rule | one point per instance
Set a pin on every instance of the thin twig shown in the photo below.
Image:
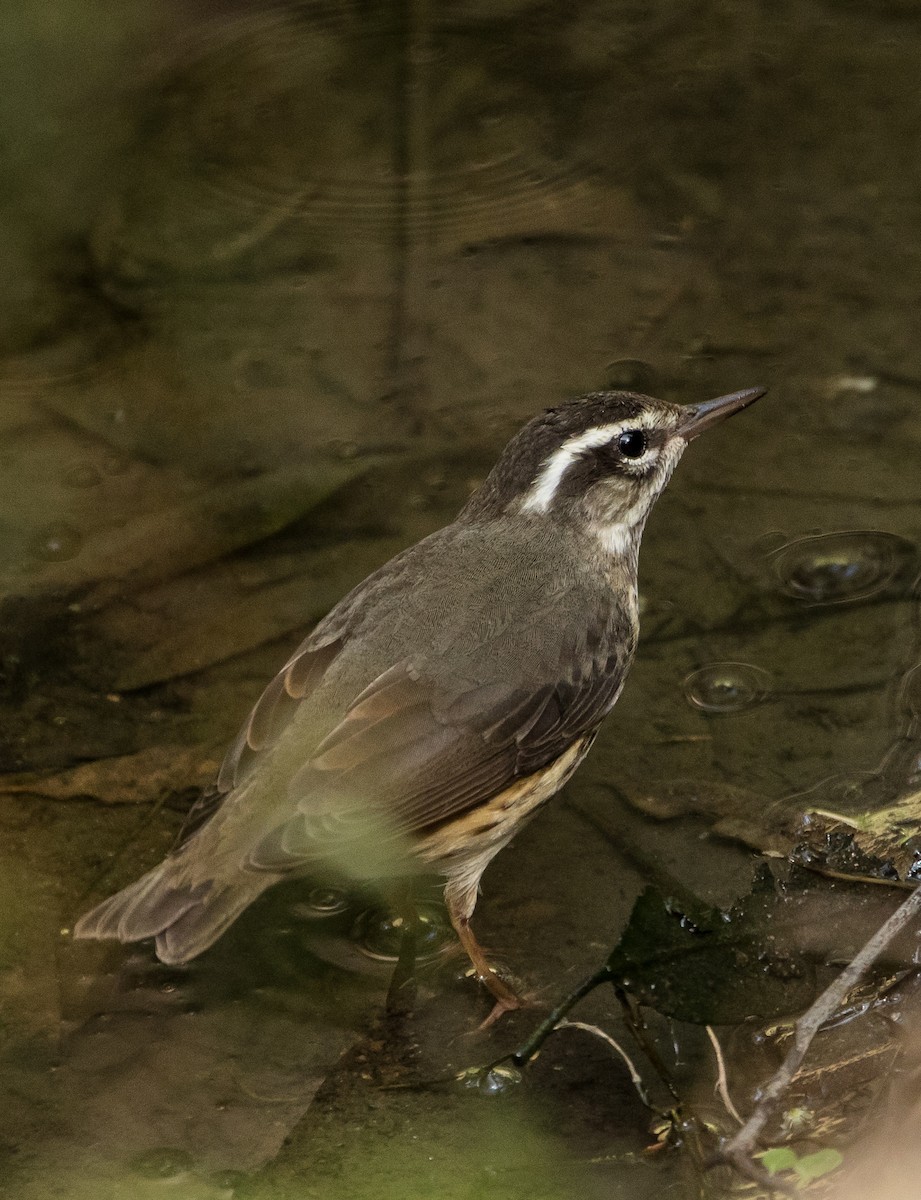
(523, 1055)
(738, 1149)
(722, 1083)
(635, 1077)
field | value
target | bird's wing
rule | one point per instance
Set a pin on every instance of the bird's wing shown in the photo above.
(407, 758)
(297, 679)
(440, 730)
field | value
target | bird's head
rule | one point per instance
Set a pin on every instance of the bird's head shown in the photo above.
(600, 460)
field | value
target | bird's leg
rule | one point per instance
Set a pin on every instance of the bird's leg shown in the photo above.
(460, 905)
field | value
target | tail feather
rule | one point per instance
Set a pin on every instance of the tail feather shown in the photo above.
(184, 919)
(199, 927)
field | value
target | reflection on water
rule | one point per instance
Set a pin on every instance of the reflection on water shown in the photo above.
(378, 933)
(279, 281)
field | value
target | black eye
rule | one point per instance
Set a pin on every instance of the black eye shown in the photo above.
(632, 443)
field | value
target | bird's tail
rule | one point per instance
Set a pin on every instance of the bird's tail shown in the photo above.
(184, 918)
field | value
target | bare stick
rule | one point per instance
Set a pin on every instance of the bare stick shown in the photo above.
(738, 1149)
(722, 1083)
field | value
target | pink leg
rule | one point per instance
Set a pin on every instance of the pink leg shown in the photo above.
(460, 904)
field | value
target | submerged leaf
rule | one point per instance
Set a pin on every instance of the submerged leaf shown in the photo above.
(710, 967)
(207, 616)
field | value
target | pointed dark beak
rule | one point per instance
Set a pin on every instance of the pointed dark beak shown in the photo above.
(701, 416)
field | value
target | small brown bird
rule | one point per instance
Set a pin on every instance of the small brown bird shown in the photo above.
(445, 698)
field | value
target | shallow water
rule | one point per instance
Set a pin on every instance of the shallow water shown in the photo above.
(279, 282)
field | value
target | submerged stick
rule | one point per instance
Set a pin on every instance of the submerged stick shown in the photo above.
(738, 1149)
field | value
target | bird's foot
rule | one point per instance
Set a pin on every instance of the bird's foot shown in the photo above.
(506, 998)
(499, 1009)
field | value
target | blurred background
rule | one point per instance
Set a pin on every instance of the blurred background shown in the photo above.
(279, 280)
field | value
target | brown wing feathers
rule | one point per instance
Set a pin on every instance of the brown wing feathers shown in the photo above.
(294, 682)
(271, 713)
(399, 756)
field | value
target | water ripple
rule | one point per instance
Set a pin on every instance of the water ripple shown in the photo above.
(727, 687)
(842, 567)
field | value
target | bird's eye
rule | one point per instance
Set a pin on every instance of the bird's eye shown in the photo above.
(632, 443)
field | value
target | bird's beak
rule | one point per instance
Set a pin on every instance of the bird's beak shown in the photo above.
(701, 416)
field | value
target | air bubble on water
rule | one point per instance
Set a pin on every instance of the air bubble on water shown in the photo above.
(490, 1081)
(835, 568)
(727, 687)
(378, 932)
(57, 542)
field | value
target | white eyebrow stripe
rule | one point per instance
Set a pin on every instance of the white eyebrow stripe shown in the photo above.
(541, 492)
(540, 495)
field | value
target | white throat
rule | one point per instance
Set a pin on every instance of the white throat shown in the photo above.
(615, 539)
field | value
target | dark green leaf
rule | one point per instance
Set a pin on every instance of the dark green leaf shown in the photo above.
(710, 967)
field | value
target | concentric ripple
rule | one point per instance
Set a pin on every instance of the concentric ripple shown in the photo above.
(911, 692)
(314, 117)
(839, 568)
(727, 687)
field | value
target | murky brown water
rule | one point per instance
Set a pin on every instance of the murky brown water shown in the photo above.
(279, 281)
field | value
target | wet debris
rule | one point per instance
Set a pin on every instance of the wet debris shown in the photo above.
(875, 846)
(143, 778)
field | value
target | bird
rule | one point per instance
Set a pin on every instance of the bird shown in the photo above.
(444, 700)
